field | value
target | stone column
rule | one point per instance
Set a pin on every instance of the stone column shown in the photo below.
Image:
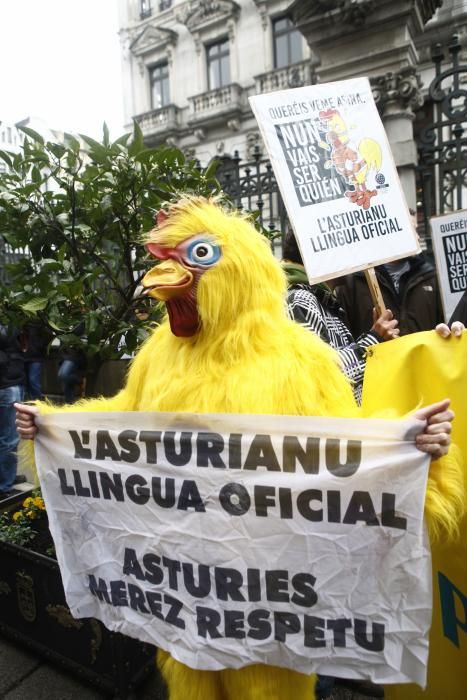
(397, 96)
(374, 38)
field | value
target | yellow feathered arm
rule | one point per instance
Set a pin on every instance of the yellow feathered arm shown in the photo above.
(445, 502)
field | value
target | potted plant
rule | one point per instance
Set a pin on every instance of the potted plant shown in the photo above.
(33, 609)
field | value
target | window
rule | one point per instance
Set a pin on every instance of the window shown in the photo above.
(164, 5)
(218, 63)
(160, 89)
(288, 42)
(144, 9)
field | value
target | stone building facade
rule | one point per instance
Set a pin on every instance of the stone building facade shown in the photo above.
(190, 66)
(391, 42)
(11, 140)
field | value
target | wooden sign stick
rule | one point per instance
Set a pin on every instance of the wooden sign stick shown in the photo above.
(375, 291)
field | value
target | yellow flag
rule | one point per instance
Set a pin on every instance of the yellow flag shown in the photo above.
(420, 369)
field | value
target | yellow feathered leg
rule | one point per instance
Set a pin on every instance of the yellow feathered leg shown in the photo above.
(256, 682)
(184, 683)
(259, 682)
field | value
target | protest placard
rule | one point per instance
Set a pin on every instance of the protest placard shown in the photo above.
(336, 174)
(449, 236)
(230, 540)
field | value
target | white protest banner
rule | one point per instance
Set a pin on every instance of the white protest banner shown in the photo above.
(235, 539)
(336, 174)
(449, 236)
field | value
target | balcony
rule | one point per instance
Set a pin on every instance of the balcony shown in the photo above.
(216, 105)
(295, 75)
(159, 122)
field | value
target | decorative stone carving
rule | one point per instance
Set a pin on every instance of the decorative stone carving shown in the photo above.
(263, 13)
(231, 29)
(220, 147)
(400, 90)
(125, 43)
(198, 43)
(203, 13)
(189, 152)
(352, 12)
(153, 38)
(355, 12)
(253, 143)
(233, 124)
(200, 134)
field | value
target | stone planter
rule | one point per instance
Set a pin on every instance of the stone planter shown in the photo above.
(33, 611)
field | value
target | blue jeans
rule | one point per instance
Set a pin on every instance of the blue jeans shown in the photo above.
(70, 374)
(33, 380)
(324, 686)
(8, 436)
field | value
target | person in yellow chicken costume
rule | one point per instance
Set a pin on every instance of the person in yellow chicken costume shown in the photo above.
(227, 346)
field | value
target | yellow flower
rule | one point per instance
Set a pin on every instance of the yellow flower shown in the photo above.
(16, 515)
(30, 514)
(28, 502)
(39, 503)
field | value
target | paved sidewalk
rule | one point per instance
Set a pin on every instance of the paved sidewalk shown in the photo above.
(26, 676)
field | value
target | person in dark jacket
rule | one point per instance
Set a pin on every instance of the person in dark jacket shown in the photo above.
(316, 308)
(409, 288)
(36, 338)
(11, 391)
(460, 312)
(72, 363)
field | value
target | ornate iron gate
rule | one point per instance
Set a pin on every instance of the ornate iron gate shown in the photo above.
(252, 186)
(442, 144)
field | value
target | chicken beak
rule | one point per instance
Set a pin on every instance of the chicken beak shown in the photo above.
(167, 280)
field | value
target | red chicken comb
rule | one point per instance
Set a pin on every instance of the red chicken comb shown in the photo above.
(328, 113)
(160, 217)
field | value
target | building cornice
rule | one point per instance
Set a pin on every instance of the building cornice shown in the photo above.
(203, 14)
(353, 12)
(152, 37)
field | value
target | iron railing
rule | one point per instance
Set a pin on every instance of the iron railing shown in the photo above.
(442, 145)
(252, 186)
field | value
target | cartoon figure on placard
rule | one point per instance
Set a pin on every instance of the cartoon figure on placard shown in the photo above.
(354, 163)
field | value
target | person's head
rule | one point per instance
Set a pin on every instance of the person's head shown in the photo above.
(291, 251)
(414, 219)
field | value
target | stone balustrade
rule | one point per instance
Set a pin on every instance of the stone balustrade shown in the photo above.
(295, 75)
(163, 119)
(216, 102)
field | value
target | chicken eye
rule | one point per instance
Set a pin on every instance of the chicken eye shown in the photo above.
(203, 253)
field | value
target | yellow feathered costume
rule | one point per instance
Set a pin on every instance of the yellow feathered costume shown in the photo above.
(228, 347)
